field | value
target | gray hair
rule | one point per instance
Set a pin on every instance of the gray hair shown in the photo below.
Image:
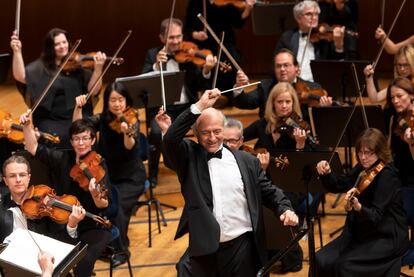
(300, 7)
(234, 123)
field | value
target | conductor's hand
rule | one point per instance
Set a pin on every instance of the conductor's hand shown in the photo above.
(323, 168)
(163, 120)
(46, 261)
(264, 159)
(207, 99)
(289, 218)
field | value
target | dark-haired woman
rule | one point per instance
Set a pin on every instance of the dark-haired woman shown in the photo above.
(54, 113)
(119, 145)
(375, 235)
(401, 137)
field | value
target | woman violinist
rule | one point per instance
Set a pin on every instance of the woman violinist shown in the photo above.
(97, 198)
(55, 111)
(275, 134)
(402, 127)
(118, 143)
(375, 234)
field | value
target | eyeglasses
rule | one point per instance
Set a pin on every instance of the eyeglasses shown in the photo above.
(367, 153)
(284, 65)
(402, 65)
(311, 14)
(79, 139)
(231, 141)
(175, 37)
(15, 175)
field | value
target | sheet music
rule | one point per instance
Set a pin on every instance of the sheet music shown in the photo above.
(22, 250)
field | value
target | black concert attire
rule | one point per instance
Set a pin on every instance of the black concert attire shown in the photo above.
(403, 160)
(210, 245)
(257, 130)
(193, 83)
(54, 113)
(89, 232)
(221, 19)
(126, 172)
(331, 16)
(374, 239)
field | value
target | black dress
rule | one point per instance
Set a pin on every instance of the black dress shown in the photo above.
(126, 171)
(373, 240)
(54, 114)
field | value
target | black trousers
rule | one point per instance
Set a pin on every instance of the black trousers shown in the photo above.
(238, 257)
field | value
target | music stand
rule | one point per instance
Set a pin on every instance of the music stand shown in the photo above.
(301, 176)
(336, 77)
(272, 18)
(145, 91)
(62, 269)
(4, 67)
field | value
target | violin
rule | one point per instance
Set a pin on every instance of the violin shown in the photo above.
(307, 95)
(325, 32)
(189, 52)
(288, 124)
(88, 168)
(281, 161)
(240, 4)
(86, 61)
(405, 120)
(364, 179)
(13, 131)
(41, 200)
(129, 116)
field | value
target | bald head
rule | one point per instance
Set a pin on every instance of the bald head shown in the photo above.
(209, 129)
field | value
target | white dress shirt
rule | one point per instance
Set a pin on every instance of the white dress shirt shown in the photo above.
(306, 72)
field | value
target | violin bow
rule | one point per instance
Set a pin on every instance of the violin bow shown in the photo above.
(205, 14)
(244, 86)
(374, 64)
(95, 84)
(218, 61)
(17, 18)
(49, 85)
(356, 80)
(213, 34)
(382, 13)
(28, 231)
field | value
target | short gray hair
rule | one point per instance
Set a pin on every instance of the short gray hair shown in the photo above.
(234, 123)
(300, 7)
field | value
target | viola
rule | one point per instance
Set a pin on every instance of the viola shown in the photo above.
(88, 168)
(189, 52)
(281, 161)
(240, 4)
(288, 124)
(129, 116)
(13, 131)
(325, 32)
(364, 179)
(405, 120)
(86, 61)
(40, 201)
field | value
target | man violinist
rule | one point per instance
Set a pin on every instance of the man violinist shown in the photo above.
(196, 80)
(285, 69)
(92, 197)
(306, 14)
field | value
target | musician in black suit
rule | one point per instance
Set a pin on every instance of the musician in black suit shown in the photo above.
(196, 79)
(286, 69)
(223, 191)
(306, 14)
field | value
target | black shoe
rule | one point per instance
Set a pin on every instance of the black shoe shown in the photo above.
(154, 181)
(118, 260)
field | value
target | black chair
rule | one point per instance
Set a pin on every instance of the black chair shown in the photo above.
(408, 201)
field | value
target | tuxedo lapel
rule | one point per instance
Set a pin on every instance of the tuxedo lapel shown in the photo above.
(204, 176)
(295, 43)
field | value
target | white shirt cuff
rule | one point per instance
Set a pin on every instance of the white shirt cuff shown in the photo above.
(73, 232)
(237, 92)
(194, 109)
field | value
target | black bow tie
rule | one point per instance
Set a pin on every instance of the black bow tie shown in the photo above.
(303, 34)
(217, 155)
